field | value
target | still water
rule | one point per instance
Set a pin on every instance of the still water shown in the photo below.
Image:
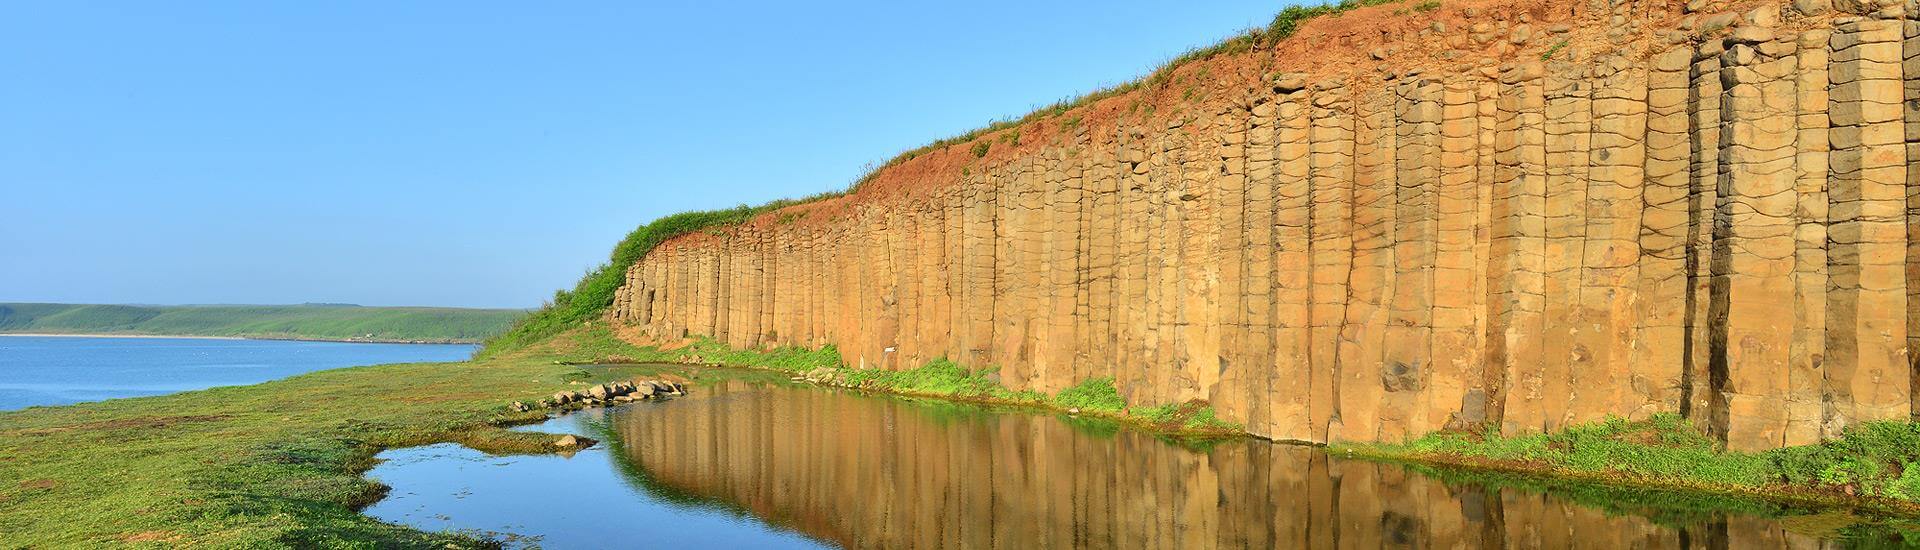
(59, 370)
(741, 464)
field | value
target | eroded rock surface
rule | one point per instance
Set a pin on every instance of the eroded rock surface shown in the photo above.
(1528, 214)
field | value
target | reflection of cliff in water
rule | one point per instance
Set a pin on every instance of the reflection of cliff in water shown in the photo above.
(866, 472)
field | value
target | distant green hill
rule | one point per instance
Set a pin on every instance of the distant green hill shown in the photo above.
(305, 322)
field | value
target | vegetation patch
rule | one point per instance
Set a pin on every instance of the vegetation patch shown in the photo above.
(1870, 466)
(940, 378)
(1095, 394)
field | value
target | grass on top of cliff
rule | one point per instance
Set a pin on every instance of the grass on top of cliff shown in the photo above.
(1873, 465)
(277, 464)
(595, 291)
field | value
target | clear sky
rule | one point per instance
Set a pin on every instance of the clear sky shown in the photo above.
(484, 153)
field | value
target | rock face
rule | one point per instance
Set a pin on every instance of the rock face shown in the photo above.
(1374, 231)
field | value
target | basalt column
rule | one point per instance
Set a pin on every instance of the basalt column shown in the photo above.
(1866, 360)
(1330, 241)
(1753, 253)
(1517, 257)
(1704, 212)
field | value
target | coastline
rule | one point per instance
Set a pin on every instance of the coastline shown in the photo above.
(139, 335)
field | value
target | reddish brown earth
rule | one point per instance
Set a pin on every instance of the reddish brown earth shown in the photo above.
(1522, 214)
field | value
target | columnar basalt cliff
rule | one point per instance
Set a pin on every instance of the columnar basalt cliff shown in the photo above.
(1514, 213)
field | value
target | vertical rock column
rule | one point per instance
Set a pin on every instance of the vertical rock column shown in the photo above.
(1051, 335)
(1610, 261)
(1297, 391)
(1660, 352)
(1703, 107)
(1202, 210)
(1067, 314)
(1568, 124)
(1330, 236)
(1364, 322)
(1753, 250)
(1518, 250)
(1407, 371)
(978, 251)
(1243, 391)
(1363, 317)
(955, 260)
(1164, 190)
(1486, 295)
(1866, 359)
(1806, 389)
(1457, 399)
(1131, 318)
(1104, 181)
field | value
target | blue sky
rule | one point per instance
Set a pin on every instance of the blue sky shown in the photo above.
(483, 153)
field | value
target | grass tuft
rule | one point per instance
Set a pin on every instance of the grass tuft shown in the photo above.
(1095, 394)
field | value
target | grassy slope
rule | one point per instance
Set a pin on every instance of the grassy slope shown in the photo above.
(319, 322)
(272, 464)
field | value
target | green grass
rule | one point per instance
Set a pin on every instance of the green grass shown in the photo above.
(1876, 464)
(591, 296)
(1097, 394)
(311, 321)
(270, 465)
(945, 379)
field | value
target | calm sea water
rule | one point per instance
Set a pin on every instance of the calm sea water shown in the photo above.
(741, 464)
(57, 370)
